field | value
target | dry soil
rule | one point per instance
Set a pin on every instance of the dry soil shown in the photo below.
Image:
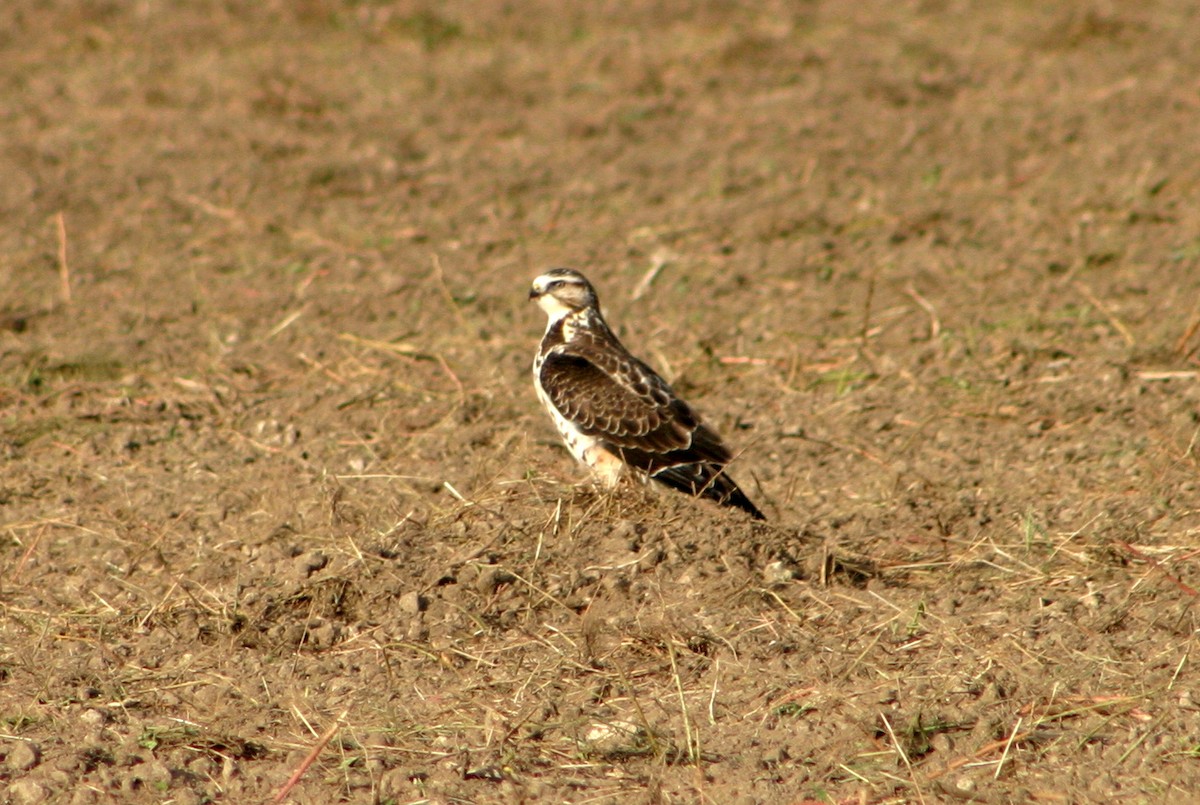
(274, 472)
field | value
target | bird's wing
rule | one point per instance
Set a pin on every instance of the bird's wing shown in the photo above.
(615, 397)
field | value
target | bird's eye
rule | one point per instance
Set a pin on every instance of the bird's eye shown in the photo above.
(555, 284)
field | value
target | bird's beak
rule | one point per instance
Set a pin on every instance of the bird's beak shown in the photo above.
(534, 293)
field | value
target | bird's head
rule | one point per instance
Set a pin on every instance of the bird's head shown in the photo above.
(561, 291)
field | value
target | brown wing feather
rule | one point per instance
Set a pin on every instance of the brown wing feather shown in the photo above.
(623, 402)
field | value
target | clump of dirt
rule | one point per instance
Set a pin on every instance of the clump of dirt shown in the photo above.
(278, 497)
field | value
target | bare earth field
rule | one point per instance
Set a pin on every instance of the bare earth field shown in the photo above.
(274, 472)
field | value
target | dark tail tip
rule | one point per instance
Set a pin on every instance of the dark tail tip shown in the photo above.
(708, 481)
(739, 499)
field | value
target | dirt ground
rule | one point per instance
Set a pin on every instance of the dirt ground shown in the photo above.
(274, 472)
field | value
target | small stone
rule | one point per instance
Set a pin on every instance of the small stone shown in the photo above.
(418, 629)
(308, 563)
(93, 717)
(651, 559)
(323, 634)
(357, 781)
(491, 578)
(778, 573)
(379, 740)
(774, 757)
(1039, 427)
(84, 796)
(612, 737)
(202, 766)
(941, 742)
(616, 584)
(288, 634)
(156, 773)
(395, 785)
(187, 797)
(24, 756)
(576, 601)
(964, 785)
(27, 792)
(413, 602)
(627, 531)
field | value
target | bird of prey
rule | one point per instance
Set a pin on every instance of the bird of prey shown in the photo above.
(612, 410)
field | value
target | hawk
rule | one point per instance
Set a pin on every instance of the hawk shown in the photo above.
(612, 410)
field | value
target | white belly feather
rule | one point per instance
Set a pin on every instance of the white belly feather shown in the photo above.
(586, 449)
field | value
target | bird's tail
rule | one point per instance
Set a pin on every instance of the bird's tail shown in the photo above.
(707, 480)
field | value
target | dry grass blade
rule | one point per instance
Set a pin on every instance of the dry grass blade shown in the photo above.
(1182, 345)
(448, 297)
(691, 738)
(1150, 560)
(284, 323)
(311, 758)
(903, 756)
(64, 268)
(1007, 746)
(1116, 323)
(935, 324)
(383, 346)
(661, 258)
(28, 552)
(981, 752)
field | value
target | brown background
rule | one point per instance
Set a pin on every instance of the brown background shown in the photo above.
(272, 463)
